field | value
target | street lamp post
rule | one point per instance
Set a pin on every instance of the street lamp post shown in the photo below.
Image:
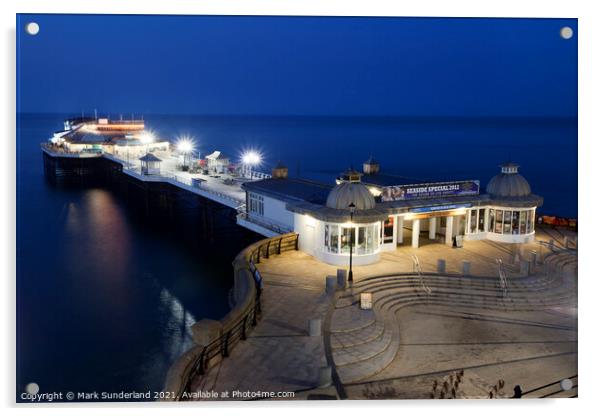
(185, 146)
(351, 238)
(250, 159)
(147, 138)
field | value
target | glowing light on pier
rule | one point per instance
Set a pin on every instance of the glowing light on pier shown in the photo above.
(147, 137)
(185, 145)
(251, 158)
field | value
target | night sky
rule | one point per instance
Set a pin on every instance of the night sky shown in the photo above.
(297, 66)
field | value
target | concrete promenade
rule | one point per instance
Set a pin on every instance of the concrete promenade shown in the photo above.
(400, 351)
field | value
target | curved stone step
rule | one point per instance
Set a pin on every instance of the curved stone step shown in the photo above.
(362, 352)
(358, 337)
(361, 370)
(453, 282)
(381, 294)
(396, 304)
(362, 360)
(351, 319)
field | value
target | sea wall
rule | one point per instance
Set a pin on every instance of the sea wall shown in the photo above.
(215, 339)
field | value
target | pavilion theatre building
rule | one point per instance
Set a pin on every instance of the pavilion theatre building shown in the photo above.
(375, 212)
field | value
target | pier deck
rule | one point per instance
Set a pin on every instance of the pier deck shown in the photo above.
(214, 187)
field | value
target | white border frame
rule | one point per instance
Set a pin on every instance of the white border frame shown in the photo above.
(590, 91)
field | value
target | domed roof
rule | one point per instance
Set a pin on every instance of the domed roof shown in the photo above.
(509, 183)
(342, 195)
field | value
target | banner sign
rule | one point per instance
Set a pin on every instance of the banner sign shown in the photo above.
(430, 190)
(440, 208)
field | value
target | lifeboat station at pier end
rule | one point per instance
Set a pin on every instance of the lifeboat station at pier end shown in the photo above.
(371, 212)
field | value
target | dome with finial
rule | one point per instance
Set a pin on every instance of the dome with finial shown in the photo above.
(350, 191)
(371, 166)
(280, 171)
(509, 183)
(350, 175)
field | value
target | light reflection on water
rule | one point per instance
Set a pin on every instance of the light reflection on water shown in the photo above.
(104, 302)
(178, 323)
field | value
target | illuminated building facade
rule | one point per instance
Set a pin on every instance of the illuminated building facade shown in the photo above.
(127, 138)
(389, 211)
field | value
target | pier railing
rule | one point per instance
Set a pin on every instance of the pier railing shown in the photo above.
(179, 181)
(270, 225)
(216, 339)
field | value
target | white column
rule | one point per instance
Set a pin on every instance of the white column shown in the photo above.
(399, 229)
(415, 233)
(456, 228)
(432, 228)
(449, 224)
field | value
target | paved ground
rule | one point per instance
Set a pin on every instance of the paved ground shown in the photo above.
(298, 267)
(278, 355)
(525, 348)
(529, 349)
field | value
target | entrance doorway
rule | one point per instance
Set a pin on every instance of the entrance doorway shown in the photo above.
(441, 226)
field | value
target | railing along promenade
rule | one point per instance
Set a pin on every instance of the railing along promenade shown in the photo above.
(274, 226)
(215, 339)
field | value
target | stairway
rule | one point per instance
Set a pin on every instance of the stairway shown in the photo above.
(365, 342)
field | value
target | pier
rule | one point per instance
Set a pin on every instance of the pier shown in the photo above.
(442, 256)
(208, 186)
(219, 195)
(208, 205)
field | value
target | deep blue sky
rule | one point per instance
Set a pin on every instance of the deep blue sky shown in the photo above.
(297, 65)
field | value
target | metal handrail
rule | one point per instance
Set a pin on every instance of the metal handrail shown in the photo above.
(278, 228)
(503, 280)
(557, 248)
(418, 270)
(239, 331)
(169, 177)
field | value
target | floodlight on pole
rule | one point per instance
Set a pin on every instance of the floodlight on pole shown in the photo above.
(185, 145)
(250, 159)
(147, 137)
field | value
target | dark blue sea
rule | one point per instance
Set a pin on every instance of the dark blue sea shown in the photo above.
(104, 299)
(438, 149)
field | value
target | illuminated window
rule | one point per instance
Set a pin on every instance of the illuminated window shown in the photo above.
(523, 222)
(510, 222)
(388, 230)
(347, 238)
(515, 223)
(361, 240)
(498, 220)
(507, 221)
(338, 239)
(473, 221)
(530, 222)
(482, 219)
(256, 204)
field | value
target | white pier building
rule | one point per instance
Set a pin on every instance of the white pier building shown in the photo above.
(388, 211)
